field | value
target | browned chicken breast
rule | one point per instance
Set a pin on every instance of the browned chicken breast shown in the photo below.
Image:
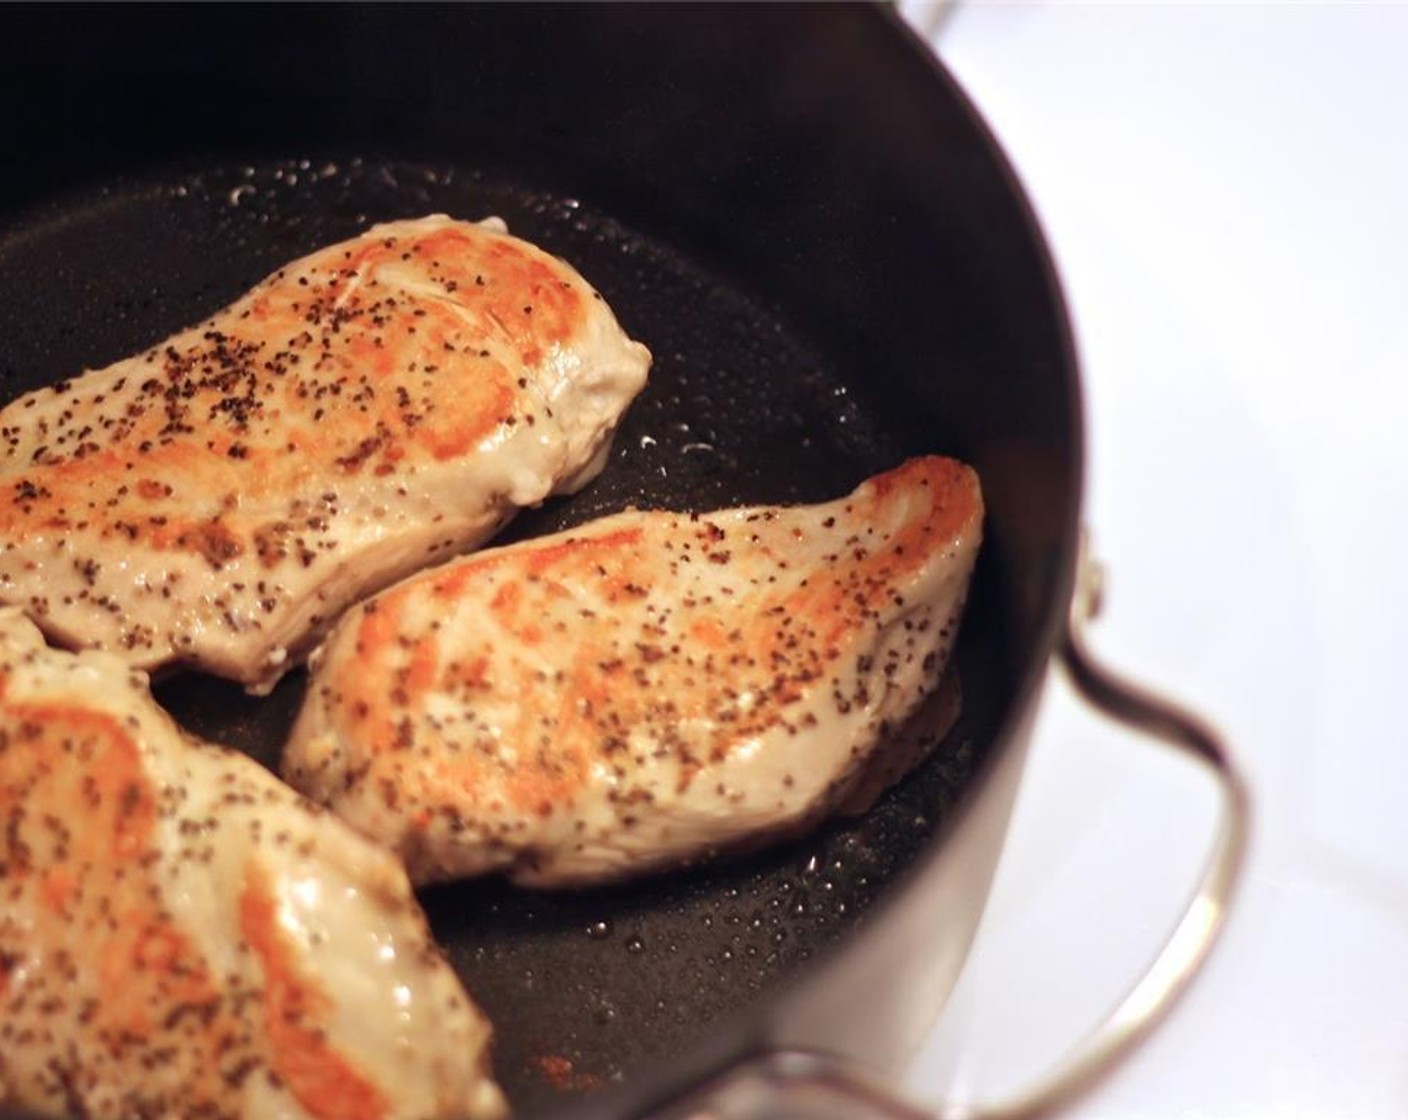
(182, 935)
(646, 690)
(369, 409)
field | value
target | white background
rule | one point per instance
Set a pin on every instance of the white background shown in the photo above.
(1225, 188)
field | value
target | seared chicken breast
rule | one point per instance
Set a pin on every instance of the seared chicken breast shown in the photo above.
(182, 935)
(646, 690)
(381, 404)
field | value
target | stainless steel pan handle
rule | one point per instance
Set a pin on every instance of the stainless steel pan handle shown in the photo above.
(788, 1085)
(794, 1085)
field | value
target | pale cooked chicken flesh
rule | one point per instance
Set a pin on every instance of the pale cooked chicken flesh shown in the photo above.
(183, 935)
(646, 690)
(377, 406)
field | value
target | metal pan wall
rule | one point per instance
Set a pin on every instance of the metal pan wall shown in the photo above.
(801, 216)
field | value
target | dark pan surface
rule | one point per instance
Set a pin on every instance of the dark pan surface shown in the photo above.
(790, 204)
(741, 407)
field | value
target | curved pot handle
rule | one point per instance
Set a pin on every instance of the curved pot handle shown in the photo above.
(793, 1085)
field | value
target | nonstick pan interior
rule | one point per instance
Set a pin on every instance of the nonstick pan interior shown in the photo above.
(585, 986)
(787, 203)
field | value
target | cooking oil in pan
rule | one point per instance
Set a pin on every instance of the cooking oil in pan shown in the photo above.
(743, 406)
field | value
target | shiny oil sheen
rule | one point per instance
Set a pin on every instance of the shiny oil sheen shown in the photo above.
(739, 408)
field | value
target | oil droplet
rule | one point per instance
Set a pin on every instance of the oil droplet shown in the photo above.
(598, 931)
(635, 944)
(604, 1015)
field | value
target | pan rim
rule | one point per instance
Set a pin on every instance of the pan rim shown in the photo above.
(750, 1026)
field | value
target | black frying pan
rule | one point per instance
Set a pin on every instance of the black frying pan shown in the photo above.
(799, 213)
